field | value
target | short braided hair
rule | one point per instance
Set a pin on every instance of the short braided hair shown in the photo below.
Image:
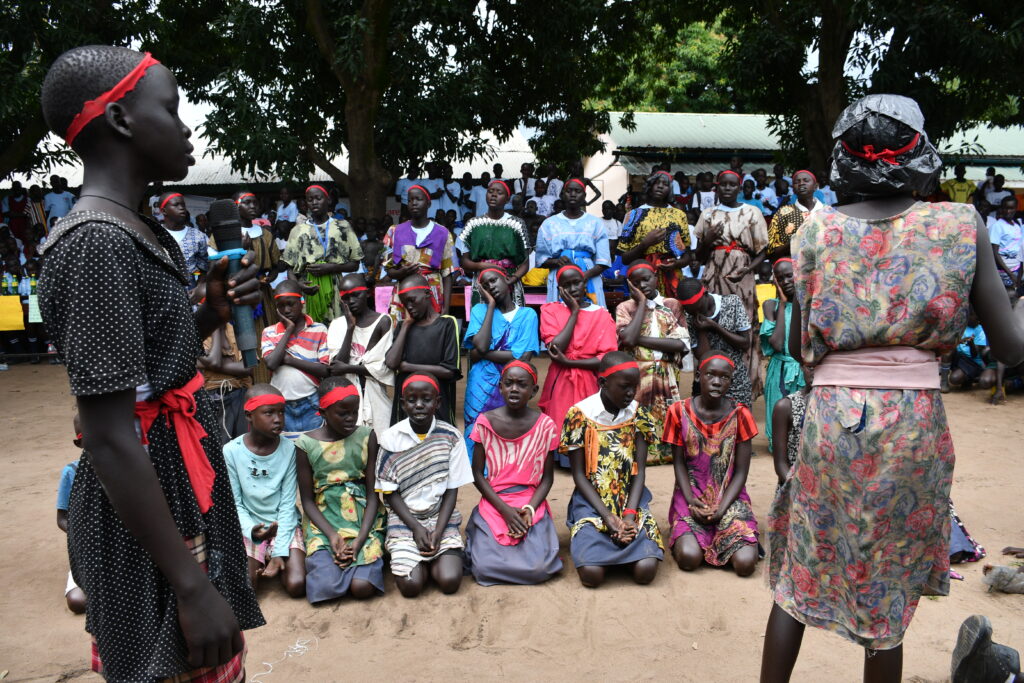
(79, 75)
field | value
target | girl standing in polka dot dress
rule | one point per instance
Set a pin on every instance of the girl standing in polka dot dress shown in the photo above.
(153, 536)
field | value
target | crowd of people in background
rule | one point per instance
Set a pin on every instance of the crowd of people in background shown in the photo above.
(725, 233)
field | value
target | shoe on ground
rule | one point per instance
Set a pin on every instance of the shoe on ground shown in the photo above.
(976, 659)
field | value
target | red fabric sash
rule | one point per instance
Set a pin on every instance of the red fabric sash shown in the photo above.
(179, 409)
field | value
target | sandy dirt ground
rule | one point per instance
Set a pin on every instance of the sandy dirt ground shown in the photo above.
(708, 625)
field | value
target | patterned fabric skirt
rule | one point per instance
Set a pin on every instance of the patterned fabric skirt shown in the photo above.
(862, 524)
(231, 672)
(401, 545)
(659, 388)
(325, 580)
(263, 550)
(531, 561)
(736, 529)
(591, 547)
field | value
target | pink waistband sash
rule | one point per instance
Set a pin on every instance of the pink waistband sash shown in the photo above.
(882, 367)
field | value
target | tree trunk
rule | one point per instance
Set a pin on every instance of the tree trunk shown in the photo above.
(368, 182)
(829, 96)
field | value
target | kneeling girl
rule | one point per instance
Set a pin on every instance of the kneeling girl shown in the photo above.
(605, 437)
(422, 464)
(261, 467)
(510, 537)
(343, 524)
(711, 517)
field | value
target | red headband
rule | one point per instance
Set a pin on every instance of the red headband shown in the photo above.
(346, 292)
(95, 108)
(520, 364)
(558, 275)
(664, 173)
(493, 270)
(711, 358)
(169, 198)
(695, 298)
(503, 184)
(243, 196)
(420, 378)
(640, 266)
(784, 259)
(287, 294)
(421, 189)
(263, 400)
(628, 365)
(887, 155)
(337, 394)
(727, 172)
(804, 170)
(409, 289)
(576, 180)
(317, 187)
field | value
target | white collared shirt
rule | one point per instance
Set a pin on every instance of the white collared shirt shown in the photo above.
(816, 206)
(593, 408)
(402, 437)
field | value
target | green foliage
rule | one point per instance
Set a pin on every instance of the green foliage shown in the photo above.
(32, 35)
(452, 70)
(960, 61)
(677, 69)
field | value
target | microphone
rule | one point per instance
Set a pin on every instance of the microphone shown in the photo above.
(226, 228)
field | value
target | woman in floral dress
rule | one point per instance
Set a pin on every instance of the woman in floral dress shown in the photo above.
(320, 251)
(861, 526)
(657, 233)
(732, 238)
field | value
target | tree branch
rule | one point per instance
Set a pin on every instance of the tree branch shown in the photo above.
(22, 146)
(316, 24)
(339, 177)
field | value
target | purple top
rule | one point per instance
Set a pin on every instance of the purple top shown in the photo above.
(436, 241)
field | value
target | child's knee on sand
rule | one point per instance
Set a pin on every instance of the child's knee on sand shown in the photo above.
(446, 571)
(591, 576)
(412, 585)
(744, 560)
(687, 553)
(293, 578)
(645, 570)
(76, 600)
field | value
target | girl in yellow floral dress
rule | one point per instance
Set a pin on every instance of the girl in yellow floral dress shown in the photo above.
(343, 525)
(606, 436)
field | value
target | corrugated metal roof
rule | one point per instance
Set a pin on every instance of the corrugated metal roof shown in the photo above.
(694, 131)
(728, 132)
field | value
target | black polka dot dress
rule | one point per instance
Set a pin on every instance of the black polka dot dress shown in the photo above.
(116, 307)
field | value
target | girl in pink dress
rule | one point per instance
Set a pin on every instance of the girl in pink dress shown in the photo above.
(510, 537)
(578, 333)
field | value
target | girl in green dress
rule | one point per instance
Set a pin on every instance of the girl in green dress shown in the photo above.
(343, 525)
(496, 240)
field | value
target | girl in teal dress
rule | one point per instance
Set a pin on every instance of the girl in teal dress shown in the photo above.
(783, 375)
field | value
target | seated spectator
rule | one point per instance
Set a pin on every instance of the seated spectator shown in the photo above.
(747, 197)
(478, 195)
(612, 225)
(997, 193)
(544, 201)
(704, 197)
(970, 358)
